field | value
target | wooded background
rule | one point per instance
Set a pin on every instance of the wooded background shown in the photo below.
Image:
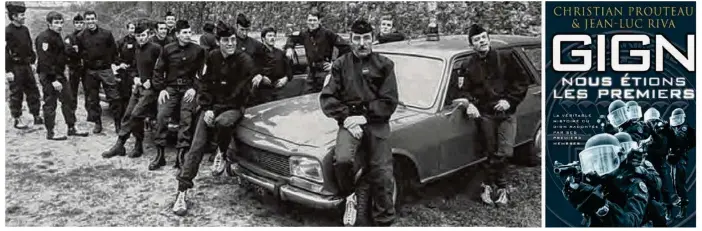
(411, 18)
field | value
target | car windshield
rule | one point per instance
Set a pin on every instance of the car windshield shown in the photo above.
(418, 79)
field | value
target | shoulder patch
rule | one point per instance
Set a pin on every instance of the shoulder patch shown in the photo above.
(643, 187)
(684, 128)
(639, 129)
(67, 41)
(45, 46)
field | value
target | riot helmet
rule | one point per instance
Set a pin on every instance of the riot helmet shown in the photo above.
(617, 113)
(601, 155)
(651, 114)
(633, 110)
(677, 117)
(627, 144)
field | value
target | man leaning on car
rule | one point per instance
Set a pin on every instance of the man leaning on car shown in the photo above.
(362, 95)
(493, 93)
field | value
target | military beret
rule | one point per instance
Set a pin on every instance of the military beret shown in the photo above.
(474, 30)
(361, 26)
(78, 17)
(224, 30)
(181, 24)
(140, 28)
(243, 21)
(15, 7)
(168, 13)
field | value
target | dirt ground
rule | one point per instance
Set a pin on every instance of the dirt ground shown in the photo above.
(68, 183)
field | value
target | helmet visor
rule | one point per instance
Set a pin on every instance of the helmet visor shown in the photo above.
(628, 146)
(650, 115)
(676, 120)
(601, 159)
(634, 112)
(618, 117)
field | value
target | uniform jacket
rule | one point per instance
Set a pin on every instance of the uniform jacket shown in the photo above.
(97, 48)
(178, 62)
(319, 44)
(73, 56)
(51, 54)
(362, 87)
(226, 83)
(18, 48)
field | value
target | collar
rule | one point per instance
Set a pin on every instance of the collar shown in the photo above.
(356, 58)
(97, 28)
(52, 31)
(75, 32)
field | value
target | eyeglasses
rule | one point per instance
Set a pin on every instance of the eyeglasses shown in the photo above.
(359, 38)
(229, 40)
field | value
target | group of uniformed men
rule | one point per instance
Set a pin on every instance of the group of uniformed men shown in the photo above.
(205, 87)
(628, 169)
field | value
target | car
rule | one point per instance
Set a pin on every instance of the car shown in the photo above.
(285, 148)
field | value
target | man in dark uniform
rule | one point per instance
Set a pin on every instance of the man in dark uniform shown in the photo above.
(658, 151)
(161, 38)
(98, 50)
(610, 195)
(76, 72)
(624, 117)
(175, 80)
(683, 141)
(225, 88)
(319, 44)
(208, 41)
(253, 48)
(387, 32)
(125, 66)
(19, 55)
(276, 71)
(361, 95)
(51, 65)
(141, 99)
(171, 26)
(493, 93)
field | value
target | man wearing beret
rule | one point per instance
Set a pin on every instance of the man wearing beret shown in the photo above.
(142, 98)
(254, 49)
(276, 71)
(98, 51)
(19, 55)
(171, 26)
(51, 65)
(225, 88)
(361, 95)
(387, 32)
(125, 66)
(208, 40)
(161, 36)
(175, 80)
(493, 93)
(76, 72)
(319, 44)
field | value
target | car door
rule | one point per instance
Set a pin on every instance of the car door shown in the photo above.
(459, 133)
(529, 110)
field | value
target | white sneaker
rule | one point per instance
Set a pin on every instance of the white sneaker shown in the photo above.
(180, 207)
(218, 164)
(502, 196)
(350, 213)
(486, 196)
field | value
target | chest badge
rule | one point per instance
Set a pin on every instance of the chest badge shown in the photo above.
(365, 71)
(67, 41)
(643, 188)
(684, 129)
(130, 46)
(243, 48)
(223, 82)
(45, 46)
(184, 58)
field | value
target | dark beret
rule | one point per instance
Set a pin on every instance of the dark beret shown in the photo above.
(475, 29)
(15, 7)
(140, 28)
(78, 17)
(208, 27)
(169, 14)
(361, 26)
(243, 21)
(181, 24)
(224, 30)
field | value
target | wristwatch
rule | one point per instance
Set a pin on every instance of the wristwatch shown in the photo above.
(603, 211)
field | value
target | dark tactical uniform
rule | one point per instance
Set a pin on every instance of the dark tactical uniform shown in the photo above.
(176, 72)
(224, 90)
(319, 45)
(51, 66)
(126, 53)
(637, 129)
(141, 99)
(657, 153)
(275, 66)
(364, 87)
(253, 48)
(390, 37)
(208, 41)
(682, 142)
(487, 81)
(163, 42)
(19, 55)
(99, 51)
(76, 71)
(624, 192)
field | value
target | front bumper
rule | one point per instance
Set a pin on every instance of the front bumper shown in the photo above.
(287, 192)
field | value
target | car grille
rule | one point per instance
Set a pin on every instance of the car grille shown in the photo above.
(275, 163)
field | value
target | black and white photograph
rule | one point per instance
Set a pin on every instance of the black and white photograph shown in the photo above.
(276, 114)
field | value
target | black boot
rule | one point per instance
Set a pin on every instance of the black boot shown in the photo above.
(683, 209)
(118, 125)
(98, 127)
(73, 132)
(117, 149)
(50, 135)
(38, 120)
(159, 160)
(180, 157)
(19, 124)
(138, 149)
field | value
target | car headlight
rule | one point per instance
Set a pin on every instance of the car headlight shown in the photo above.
(307, 168)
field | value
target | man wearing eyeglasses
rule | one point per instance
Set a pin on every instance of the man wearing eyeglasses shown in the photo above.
(175, 80)
(223, 94)
(387, 31)
(361, 95)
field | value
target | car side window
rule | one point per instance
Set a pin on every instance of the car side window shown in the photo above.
(534, 56)
(457, 78)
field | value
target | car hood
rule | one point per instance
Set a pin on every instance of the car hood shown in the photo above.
(300, 120)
